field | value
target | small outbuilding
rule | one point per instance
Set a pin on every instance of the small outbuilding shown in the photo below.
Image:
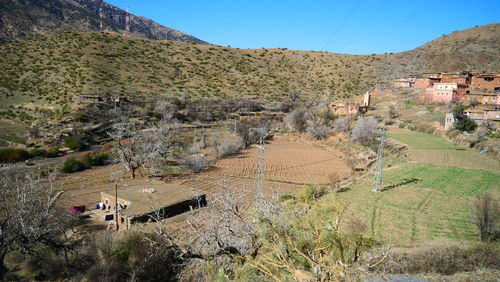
(148, 199)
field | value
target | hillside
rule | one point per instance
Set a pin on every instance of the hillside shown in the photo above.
(28, 18)
(475, 49)
(49, 71)
(53, 69)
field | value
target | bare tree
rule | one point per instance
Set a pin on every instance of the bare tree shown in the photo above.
(487, 217)
(226, 227)
(135, 147)
(163, 137)
(228, 147)
(196, 163)
(251, 132)
(28, 215)
(297, 119)
(318, 130)
(343, 124)
(365, 130)
(132, 147)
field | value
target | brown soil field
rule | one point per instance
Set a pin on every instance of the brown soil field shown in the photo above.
(290, 163)
(83, 188)
(287, 159)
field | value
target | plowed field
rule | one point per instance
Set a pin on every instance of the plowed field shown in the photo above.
(286, 159)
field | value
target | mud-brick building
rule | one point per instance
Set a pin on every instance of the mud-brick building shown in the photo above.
(424, 82)
(89, 99)
(486, 81)
(459, 78)
(449, 120)
(403, 82)
(483, 98)
(144, 200)
(446, 93)
(483, 113)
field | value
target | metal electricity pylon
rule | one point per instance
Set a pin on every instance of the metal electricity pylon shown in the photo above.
(260, 172)
(380, 162)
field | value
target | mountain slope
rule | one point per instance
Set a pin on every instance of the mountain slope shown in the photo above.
(28, 18)
(48, 72)
(475, 49)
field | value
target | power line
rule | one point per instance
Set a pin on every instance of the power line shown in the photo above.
(342, 24)
(364, 25)
(400, 25)
(380, 162)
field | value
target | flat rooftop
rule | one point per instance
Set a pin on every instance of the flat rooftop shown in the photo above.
(145, 195)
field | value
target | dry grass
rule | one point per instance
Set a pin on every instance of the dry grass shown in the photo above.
(442, 258)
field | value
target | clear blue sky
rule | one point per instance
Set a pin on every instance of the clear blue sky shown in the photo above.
(349, 26)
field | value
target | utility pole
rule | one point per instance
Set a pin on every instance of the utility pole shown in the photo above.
(116, 204)
(101, 27)
(260, 172)
(127, 22)
(380, 162)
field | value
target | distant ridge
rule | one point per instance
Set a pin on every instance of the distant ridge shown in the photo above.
(49, 71)
(28, 18)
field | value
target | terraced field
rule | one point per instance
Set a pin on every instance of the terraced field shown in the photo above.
(287, 160)
(427, 199)
(427, 148)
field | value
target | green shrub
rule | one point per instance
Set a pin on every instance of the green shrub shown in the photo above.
(463, 122)
(74, 143)
(53, 152)
(39, 152)
(9, 155)
(286, 197)
(72, 165)
(95, 159)
(310, 193)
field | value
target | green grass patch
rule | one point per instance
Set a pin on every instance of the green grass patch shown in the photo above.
(11, 132)
(448, 179)
(437, 206)
(420, 140)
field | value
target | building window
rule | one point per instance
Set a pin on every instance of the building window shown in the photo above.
(488, 79)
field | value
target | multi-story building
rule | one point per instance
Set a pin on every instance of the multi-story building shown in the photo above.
(483, 98)
(424, 82)
(459, 77)
(448, 92)
(486, 81)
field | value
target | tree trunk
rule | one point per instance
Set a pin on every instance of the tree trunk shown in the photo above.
(132, 172)
(3, 268)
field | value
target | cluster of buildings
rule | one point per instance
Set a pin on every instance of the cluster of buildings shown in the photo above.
(452, 87)
(479, 91)
(351, 108)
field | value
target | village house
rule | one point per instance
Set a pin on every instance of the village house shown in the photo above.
(351, 108)
(483, 113)
(89, 99)
(403, 82)
(431, 75)
(459, 78)
(486, 81)
(449, 120)
(482, 98)
(446, 93)
(143, 200)
(424, 82)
